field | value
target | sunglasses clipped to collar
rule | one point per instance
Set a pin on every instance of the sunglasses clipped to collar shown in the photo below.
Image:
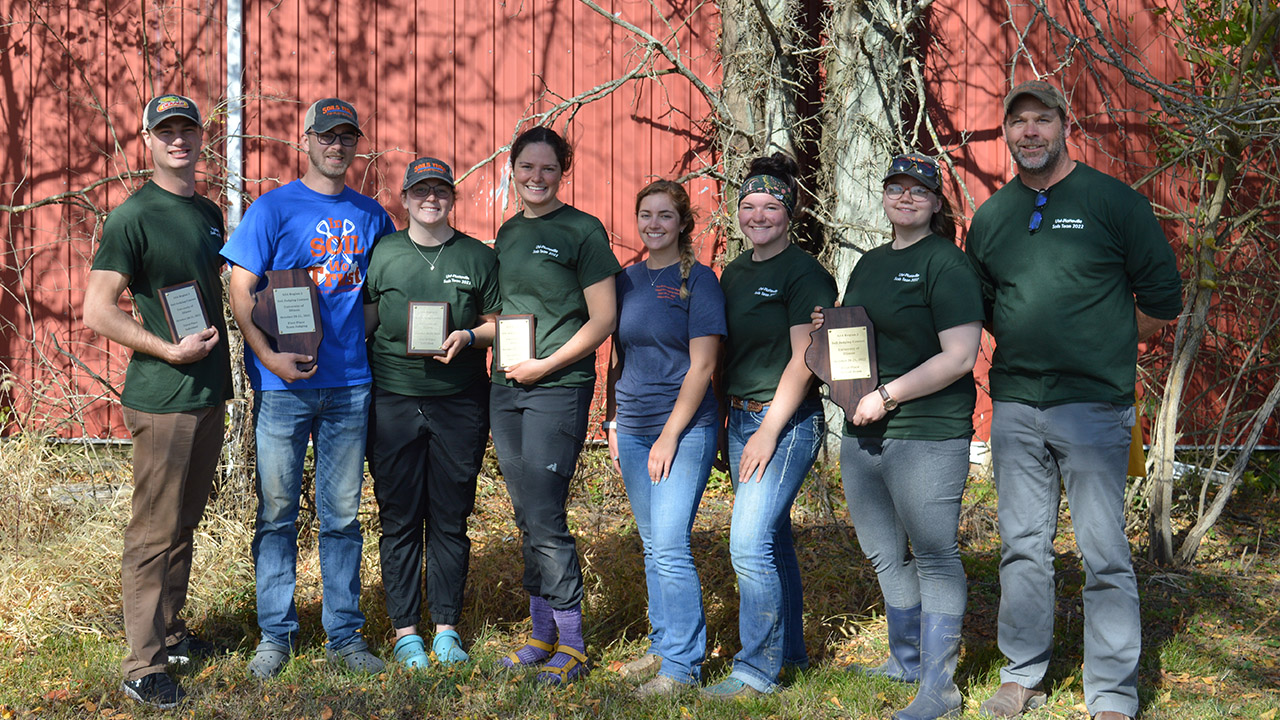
(1037, 211)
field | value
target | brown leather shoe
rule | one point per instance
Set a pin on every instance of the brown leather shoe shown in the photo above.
(1111, 715)
(1011, 700)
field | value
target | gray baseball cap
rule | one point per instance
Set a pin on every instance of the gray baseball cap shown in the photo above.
(424, 168)
(327, 114)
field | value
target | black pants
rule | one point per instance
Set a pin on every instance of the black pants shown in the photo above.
(424, 455)
(538, 433)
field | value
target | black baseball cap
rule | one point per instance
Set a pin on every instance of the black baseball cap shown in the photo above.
(424, 168)
(163, 107)
(918, 166)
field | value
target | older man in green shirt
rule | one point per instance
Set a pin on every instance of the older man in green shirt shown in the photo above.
(1075, 271)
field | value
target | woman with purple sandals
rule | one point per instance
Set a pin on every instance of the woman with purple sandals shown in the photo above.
(555, 263)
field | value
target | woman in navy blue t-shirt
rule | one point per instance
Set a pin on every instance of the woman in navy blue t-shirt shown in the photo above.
(663, 423)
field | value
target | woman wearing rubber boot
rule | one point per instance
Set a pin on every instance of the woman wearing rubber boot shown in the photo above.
(555, 263)
(429, 419)
(775, 422)
(905, 452)
(663, 422)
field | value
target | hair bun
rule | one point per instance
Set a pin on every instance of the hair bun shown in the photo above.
(779, 165)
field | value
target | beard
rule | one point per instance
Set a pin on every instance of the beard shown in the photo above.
(1053, 154)
(318, 162)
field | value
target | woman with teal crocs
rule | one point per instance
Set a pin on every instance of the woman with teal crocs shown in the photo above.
(429, 418)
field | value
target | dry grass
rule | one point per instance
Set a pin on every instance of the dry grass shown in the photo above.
(69, 504)
(61, 637)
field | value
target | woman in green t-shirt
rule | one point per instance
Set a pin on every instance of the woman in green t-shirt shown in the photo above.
(429, 417)
(775, 421)
(905, 453)
(555, 264)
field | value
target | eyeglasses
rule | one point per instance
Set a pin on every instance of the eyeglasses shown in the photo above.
(328, 138)
(1037, 212)
(893, 191)
(905, 164)
(422, 192)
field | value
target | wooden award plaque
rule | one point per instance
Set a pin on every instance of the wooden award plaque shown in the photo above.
(287, 309)
(184, 309)
(842, 353)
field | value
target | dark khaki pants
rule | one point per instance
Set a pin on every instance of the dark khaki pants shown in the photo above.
(175, 456)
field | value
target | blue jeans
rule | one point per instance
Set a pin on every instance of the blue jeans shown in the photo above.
(336, 420)
(1086, 447)
(901, 490)
(664, 515)
(764, 558)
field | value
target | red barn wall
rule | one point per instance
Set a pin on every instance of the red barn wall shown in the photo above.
(448, 78)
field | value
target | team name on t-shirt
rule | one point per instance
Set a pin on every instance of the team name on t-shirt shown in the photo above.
(337, 242)
(763, 291)
(1068, 224)
(456, 279)
(215, 232)
(906, 277)
(541, 249)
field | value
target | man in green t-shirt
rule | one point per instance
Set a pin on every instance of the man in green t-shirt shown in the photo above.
(1075, 271)
(162, 245)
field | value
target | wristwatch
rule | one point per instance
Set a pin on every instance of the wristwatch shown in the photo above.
(889, 403)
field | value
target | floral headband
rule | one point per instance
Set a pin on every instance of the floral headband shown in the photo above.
(769, 185)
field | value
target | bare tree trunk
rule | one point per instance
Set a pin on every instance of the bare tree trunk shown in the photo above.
(760, 87)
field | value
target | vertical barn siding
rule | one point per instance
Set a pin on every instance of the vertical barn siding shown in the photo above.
(448, 78)
(445, 77)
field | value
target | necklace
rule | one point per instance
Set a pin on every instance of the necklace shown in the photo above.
(424, 255)
(653, 279)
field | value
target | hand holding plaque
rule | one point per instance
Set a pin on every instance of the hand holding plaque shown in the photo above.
(842, 353)
(287, 310)
(513, 341)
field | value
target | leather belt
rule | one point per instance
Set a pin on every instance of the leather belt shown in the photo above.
(738, 403)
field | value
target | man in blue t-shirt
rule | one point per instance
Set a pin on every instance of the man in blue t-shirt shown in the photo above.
(320, 224)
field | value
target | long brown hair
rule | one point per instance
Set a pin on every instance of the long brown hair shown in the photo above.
(943, 222)
(684, 208)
